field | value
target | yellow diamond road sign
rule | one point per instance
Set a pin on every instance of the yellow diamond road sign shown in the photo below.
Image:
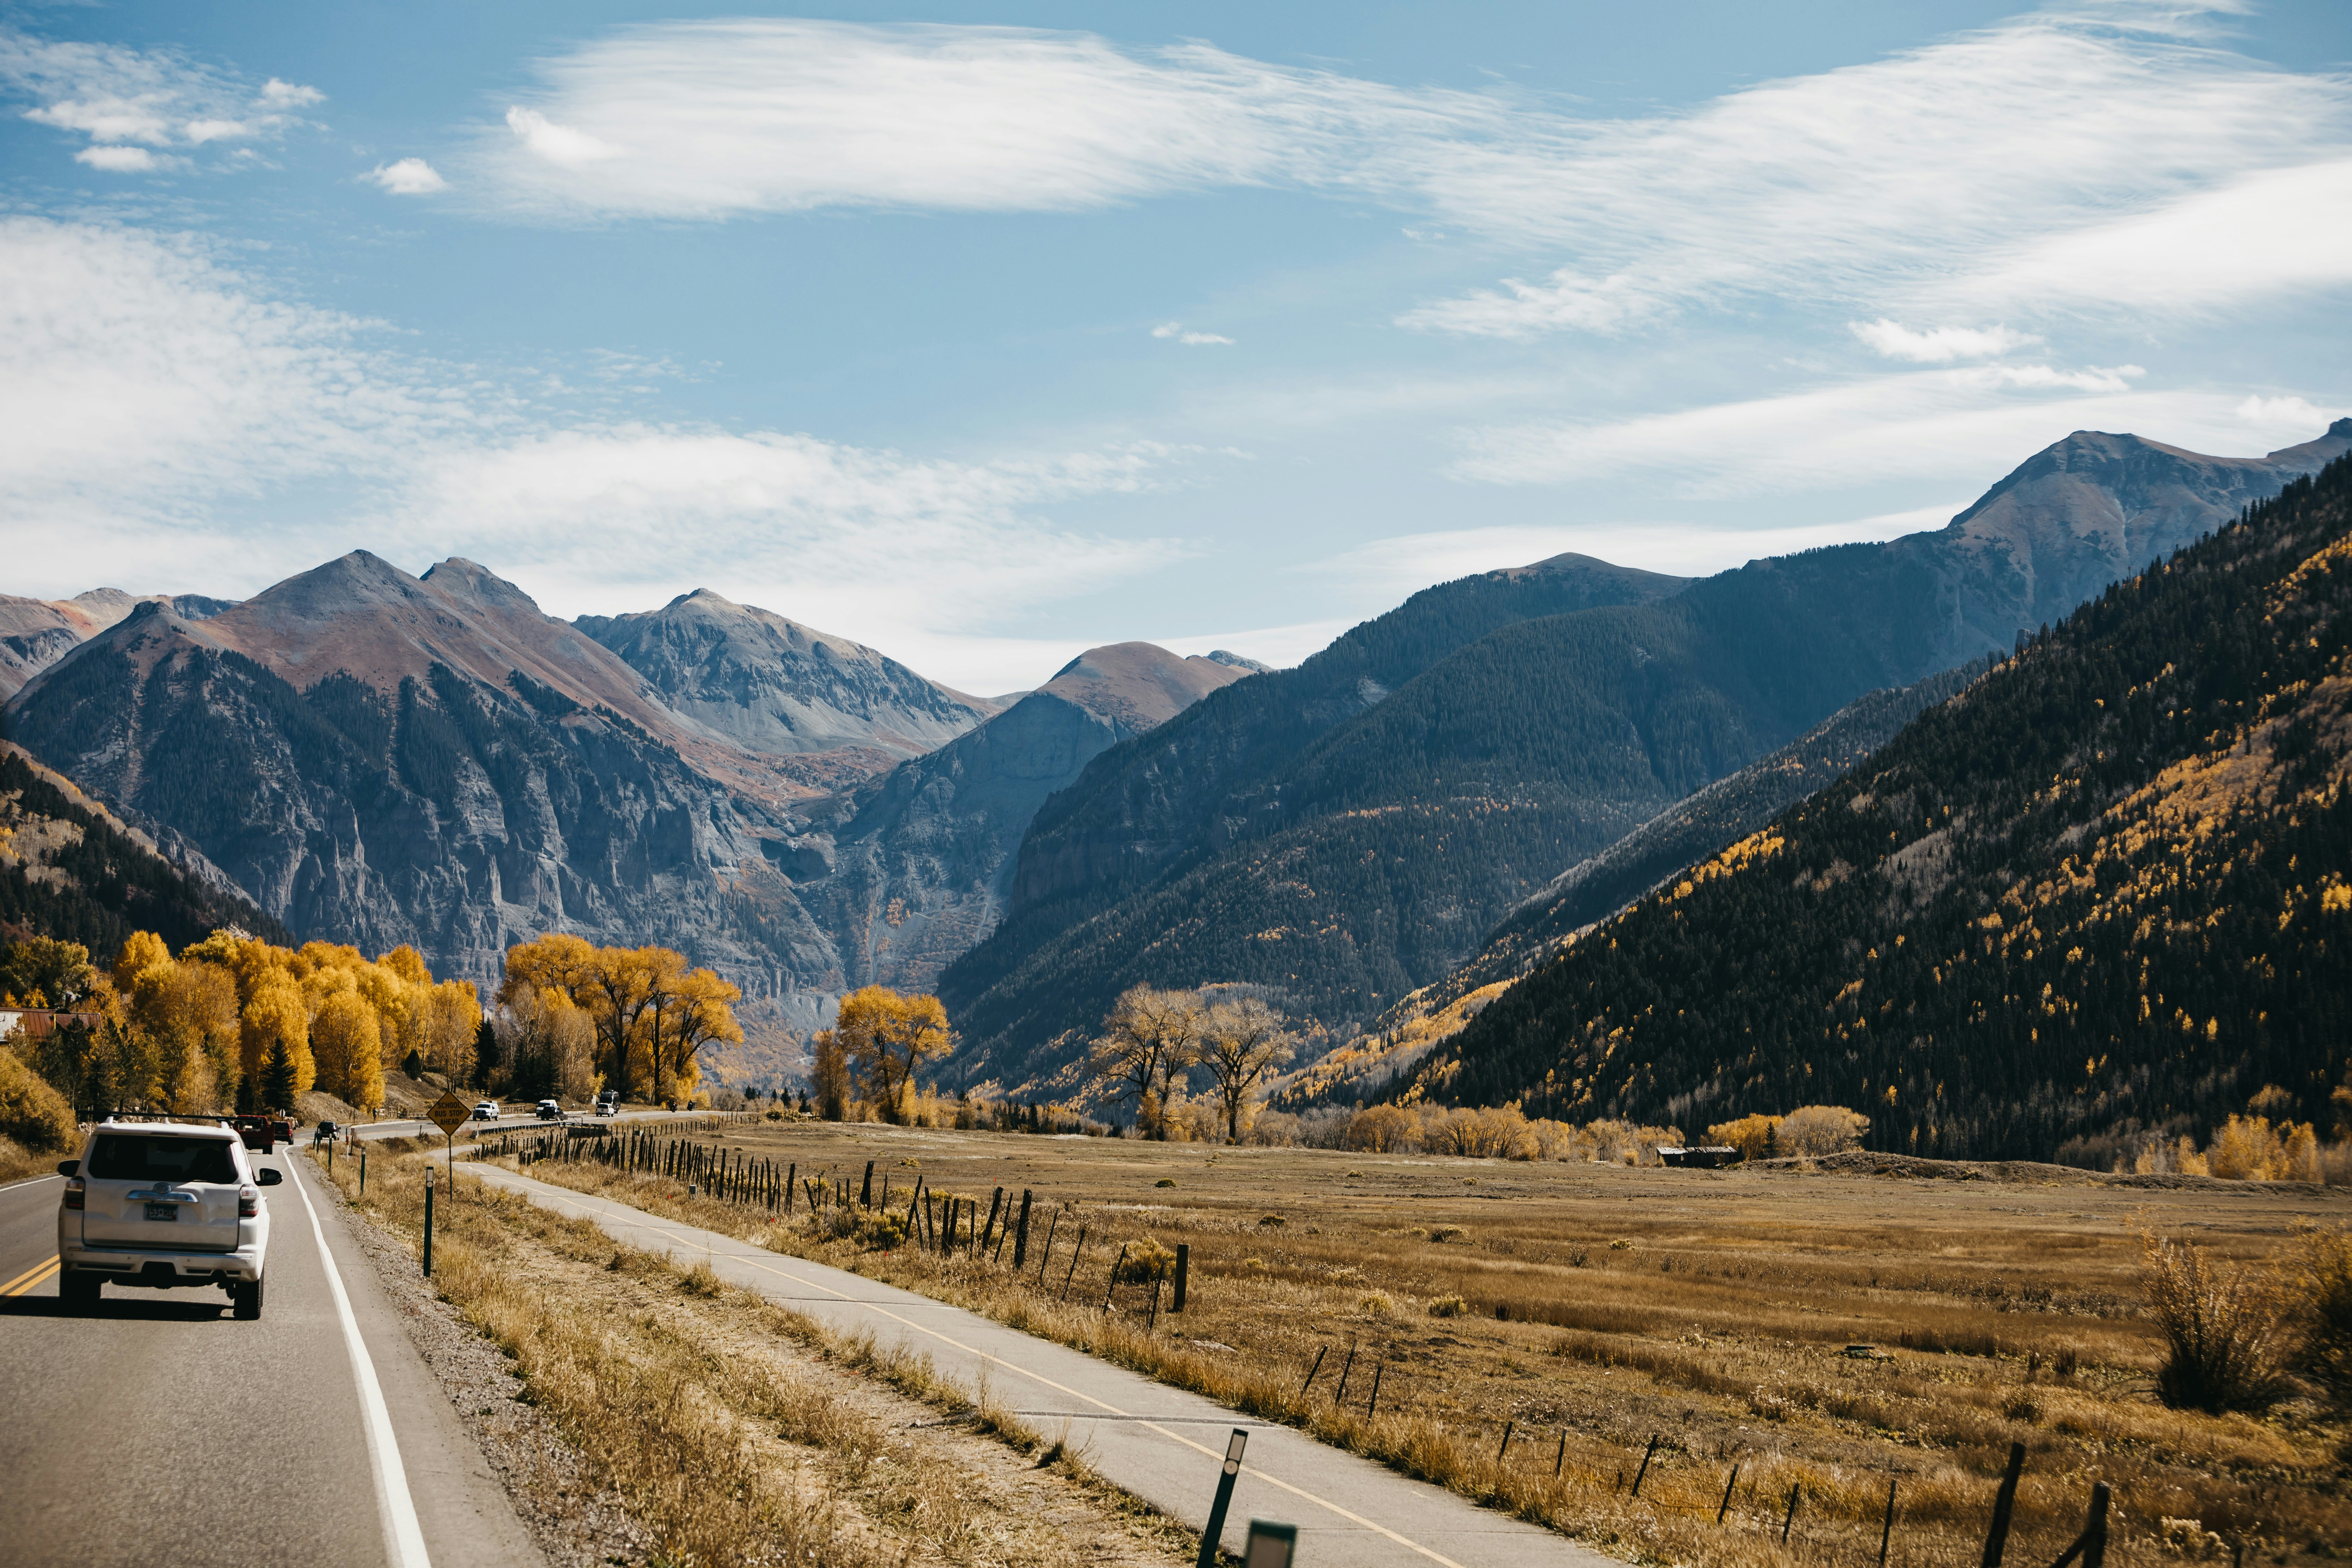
(448, 1113)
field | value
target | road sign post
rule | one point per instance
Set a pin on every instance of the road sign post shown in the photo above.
(448, 1113)
(1233, 1466)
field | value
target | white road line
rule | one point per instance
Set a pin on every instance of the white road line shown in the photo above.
(404, 1539)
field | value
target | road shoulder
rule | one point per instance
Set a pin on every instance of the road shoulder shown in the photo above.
(494, 1481)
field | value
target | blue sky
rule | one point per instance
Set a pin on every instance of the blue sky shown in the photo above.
(984, 334)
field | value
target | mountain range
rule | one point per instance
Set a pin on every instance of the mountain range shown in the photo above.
(378, 758)
(2087, 906)
(1346, 832)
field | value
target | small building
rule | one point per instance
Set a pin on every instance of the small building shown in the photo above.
(1710, 1157)
(40, 1023)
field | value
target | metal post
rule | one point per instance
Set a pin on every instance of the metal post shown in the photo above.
(1233, 1466)
(1792, 1515)
(1114, 1276)
(1559, 1459)
(2004, 1504)
(1311, 1371)
(1345, 1368)
(1506, 1449)
(362, 1168)
(428, 1222)
(1372, 1405)
(1726, 1505)
(1887, 1531)
(1080, 1251)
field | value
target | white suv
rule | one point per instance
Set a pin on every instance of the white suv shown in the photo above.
(163, 1204)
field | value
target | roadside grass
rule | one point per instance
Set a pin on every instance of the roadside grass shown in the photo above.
(18, 1163)
(673, 1386)
(1995, 1313)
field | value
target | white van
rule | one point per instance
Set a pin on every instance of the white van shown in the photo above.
(159, 1205)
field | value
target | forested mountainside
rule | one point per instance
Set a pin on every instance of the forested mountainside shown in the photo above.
(1346, 844)
(922, 868)
(2099, 896)
(71, 870)
(1690, 830)
(836, 709)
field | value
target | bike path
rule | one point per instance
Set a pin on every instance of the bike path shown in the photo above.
(1164, 1444)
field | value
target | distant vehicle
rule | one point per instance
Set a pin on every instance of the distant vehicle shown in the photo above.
(281, 1127)
(159, 1205)
(549, 1111)
(255, 1133)
(486, 1111)
(607, 1106)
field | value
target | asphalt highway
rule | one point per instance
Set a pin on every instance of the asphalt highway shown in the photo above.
(160, 1429)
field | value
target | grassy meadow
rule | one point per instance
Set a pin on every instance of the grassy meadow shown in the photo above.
(1591, 1309)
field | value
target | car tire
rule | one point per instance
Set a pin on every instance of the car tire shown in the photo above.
(246, 1300)
(77, 1290)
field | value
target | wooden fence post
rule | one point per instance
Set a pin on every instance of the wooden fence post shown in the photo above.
(1021, 1238)
(2004, 1504)
(865, 1194)
(1183, 1270)
(1114, 1277)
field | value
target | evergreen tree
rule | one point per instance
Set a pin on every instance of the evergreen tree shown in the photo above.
(278, 1077)
(485, 1053)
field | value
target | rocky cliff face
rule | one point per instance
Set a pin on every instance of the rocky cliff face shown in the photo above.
(776, 687)
(377, 758)
(922, 871)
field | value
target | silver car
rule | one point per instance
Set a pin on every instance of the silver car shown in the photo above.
(159, 1205)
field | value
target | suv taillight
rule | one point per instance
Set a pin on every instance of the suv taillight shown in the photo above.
(249, 1203)
(75, 1187)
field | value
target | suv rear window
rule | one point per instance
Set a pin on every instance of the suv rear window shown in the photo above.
(143, 1157)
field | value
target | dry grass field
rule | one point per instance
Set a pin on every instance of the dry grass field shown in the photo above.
(1600, 1307)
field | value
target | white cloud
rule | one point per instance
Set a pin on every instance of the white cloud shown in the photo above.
(408, 177)
(1176, 330)
(126, 100)
(118, 160)
(1945, 425)
(276, 94)
(2298, 413)
(148, 392)
(1938, 345)
(557, 144)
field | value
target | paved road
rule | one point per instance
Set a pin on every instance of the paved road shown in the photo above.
(162, 1430)
(1160, 1443)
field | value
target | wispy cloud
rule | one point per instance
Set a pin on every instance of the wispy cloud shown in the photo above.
(1938, 345)
(408, 177)
(1959, 425)
(1176, 330)
(2007, 167)
(154, 402)
(142, 109)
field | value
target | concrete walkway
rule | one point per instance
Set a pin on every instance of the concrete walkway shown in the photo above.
(1164, 1444)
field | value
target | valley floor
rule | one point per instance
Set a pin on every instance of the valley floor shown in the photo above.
(1533, 1327)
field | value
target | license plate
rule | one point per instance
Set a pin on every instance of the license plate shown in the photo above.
(164, 1211)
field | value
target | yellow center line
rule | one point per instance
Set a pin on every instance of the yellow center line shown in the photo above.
(1148, 1425)
(29, 1278)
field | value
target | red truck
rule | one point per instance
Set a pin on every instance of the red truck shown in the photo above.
(258, 1133)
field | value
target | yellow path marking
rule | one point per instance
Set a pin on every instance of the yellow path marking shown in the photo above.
(1149, 1425)
(31, 1277)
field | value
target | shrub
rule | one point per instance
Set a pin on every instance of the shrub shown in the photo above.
(1271, 1221)
(2322, 1309)
(1146, 1260)
(1822, 1129)
(1448, 1306)
(1446, 1233)
(1376, 1304)
(32, 1113)
(2221, 1328)
(1165, 1181)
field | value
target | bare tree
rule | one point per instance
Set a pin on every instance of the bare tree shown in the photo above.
(1242, 1043)
(1150, 1038)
